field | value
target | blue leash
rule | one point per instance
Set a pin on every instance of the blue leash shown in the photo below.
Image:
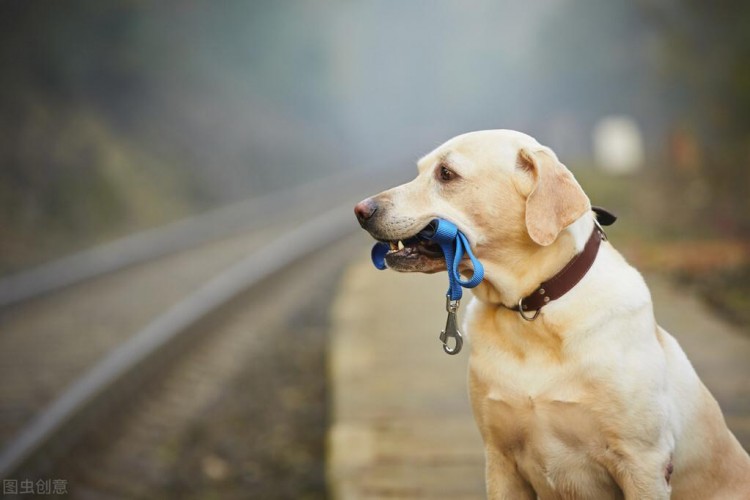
(454, 245)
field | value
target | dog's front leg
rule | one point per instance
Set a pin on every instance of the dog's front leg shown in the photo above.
(647, 477)
(502, 478)
(651, 489)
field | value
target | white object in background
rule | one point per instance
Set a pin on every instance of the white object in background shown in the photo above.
(618, 145)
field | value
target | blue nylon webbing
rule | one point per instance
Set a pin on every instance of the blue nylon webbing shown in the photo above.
(454, 245)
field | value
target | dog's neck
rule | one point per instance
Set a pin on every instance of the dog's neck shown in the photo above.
(506, 281)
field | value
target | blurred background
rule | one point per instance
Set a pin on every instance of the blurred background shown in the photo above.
(116, 117)
(125, 115)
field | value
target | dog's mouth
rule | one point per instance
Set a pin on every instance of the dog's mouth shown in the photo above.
(414, 254)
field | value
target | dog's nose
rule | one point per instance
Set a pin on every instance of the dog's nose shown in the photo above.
(365, 209)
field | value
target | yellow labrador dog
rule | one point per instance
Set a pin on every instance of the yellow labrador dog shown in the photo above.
(590, 399)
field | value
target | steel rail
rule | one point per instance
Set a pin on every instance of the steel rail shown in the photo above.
(90, 392)
(182, 234)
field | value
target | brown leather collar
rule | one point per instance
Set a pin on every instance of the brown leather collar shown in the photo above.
(561, 283)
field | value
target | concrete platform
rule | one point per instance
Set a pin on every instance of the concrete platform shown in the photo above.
(401, 425)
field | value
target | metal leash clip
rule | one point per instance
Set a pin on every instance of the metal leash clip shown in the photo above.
(451, 327)
(454, 245)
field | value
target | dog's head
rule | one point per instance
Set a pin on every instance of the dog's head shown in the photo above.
(500, 187)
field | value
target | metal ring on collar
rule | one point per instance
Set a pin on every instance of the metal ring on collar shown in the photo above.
(527, 318)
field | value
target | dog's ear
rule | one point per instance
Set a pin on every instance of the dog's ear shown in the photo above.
(555, 201)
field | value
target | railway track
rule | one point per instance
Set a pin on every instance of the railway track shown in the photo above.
(239, 413)
(72, 360)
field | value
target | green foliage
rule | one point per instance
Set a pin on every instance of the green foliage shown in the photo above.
(71, 181)
(119, 116)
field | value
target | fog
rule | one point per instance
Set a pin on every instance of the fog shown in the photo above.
(121, 115)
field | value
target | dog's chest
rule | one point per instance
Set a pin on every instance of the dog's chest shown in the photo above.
(552, 441)
(541, 415)
(530, 403)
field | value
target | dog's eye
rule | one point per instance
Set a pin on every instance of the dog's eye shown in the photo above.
(445, 174)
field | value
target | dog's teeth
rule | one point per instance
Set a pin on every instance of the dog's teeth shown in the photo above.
(393, 246)
(400, 245)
